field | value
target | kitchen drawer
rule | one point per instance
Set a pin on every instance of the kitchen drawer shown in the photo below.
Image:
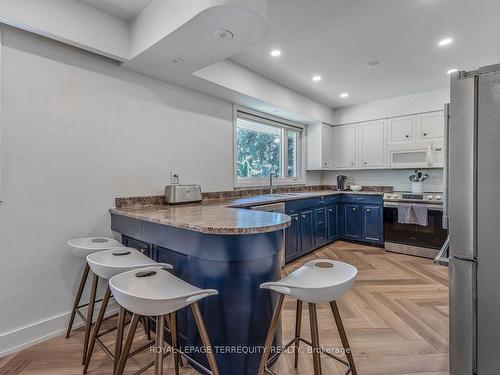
(300, 204)
(360, 198)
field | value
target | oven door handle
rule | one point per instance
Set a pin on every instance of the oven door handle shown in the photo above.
(430, 207)
(440, 258)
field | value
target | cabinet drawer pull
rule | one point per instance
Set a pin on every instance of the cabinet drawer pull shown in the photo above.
(330, 210)
(354, 209)
(352, 163)
(407, 136)
(438, 149)
(425, 134)
(365, 163)
(360, 199)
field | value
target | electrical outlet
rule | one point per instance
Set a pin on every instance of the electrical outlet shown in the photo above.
(174, 178)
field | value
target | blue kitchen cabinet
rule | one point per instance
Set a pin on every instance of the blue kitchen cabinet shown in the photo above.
(320, 226)
(352, 221)
(373, 228)
(292, 238)
(306, 231)
(332, 223)
(318, 221)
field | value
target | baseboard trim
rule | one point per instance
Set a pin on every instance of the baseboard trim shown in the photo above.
(32, 334)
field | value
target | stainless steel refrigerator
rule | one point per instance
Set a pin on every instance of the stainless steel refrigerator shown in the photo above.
(473, 200)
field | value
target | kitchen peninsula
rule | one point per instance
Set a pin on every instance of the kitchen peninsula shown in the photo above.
(221, 244)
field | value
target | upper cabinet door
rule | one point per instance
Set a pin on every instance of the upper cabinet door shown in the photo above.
(326, 147)
(345, 141)
(372, 144)
(430, 125)
(400, 129)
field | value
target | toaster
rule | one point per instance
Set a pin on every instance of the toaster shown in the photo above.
(175, 194)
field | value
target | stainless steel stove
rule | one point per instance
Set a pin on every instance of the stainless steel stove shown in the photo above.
(413, 239)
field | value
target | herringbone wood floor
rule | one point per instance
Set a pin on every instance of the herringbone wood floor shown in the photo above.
(396, 318)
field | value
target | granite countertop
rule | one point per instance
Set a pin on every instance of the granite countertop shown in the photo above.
(225, 216)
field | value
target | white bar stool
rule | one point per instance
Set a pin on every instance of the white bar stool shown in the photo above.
(105, 265)
(81, 247)
(317, 281)
(153, 291)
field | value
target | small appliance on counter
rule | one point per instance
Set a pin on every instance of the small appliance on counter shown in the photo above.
(176, 194)
(341, 182)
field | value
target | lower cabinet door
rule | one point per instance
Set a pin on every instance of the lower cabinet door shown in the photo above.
(306, 231)
(332, 222)
(373, 223)
(292, 238)
(143, 247)
(352, 221)
(320, 226)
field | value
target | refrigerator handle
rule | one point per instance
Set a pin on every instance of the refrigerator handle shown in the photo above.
(440, 258)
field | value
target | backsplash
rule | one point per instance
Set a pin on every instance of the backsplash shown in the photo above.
(398, 178)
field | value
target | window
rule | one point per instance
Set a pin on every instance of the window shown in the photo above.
(265, 147)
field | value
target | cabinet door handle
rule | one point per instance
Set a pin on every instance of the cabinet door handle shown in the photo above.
(354, 209)
(303, 216)
(367, 210)
(407, 136)
(352, 163)
(425, 134)
(365, 163)
(438, 149)
(330, 210)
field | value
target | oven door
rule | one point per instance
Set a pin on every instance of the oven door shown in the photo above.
(431, 236)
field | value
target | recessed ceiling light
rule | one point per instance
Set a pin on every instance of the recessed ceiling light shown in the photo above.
(452, 71)
(344, 95)
(224, 34)
(373, 63)
(316, 78)
(177, 60)
(445, 42)
(275, 53)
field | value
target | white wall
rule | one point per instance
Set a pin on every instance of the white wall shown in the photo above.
(398, 106)
(79, 131)
(398, 178)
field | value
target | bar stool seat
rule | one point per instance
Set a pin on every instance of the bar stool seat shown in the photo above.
(106, 264)
(109, 263)
(317, 281)
(81, 247)
(153, 291)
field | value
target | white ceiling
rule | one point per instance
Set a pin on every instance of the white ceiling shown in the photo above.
(124, 9)
(337, 38)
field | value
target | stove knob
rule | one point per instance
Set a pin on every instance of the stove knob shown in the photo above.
(396, 196)
(389, 195)
(430, 197)
(438, 197)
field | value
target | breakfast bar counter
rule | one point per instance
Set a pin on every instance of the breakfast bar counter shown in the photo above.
(217, 244)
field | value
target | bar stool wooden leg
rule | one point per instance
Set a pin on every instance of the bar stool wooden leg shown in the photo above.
(298, 323)
(119, 337)
(78, 297)
(315, 339)
(90, 315)
(343, 336)
(160, 331)
(204, 338)
(175, 344)
(270, 334)
(97, 327)
(128, 344)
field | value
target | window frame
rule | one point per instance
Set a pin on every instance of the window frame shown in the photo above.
(276, 122)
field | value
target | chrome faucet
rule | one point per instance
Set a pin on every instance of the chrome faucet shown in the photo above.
(271, 187)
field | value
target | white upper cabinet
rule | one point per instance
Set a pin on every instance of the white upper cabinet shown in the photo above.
(372, 144)
(345, 146)
(430, 125)
(400, 129)
(319, 147)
